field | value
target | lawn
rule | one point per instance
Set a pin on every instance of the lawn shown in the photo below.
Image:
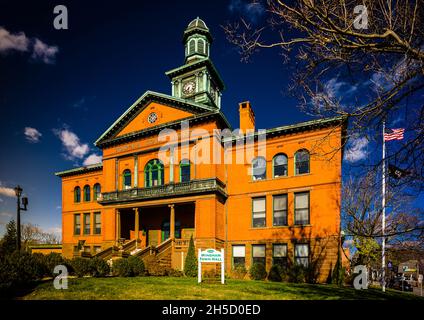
(167, 288)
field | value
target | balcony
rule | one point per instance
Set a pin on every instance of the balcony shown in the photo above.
(165, 191)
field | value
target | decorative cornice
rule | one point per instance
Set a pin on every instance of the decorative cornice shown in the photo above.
(80, 170)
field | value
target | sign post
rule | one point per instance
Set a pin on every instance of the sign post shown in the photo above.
(211, 256)
(420, 281)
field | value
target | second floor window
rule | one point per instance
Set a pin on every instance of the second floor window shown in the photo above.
(301, 208)
(154, 173)
(126, 179)
(259, 168)
(279, 164)
(87, 195)
(301, 161)
(97, 223)
(86, 223)
(184, 170)
(280, 210)
(77, 224)
(259, 212)
(77, 194)
(96, 191)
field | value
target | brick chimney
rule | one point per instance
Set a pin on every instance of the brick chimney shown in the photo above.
(247, 116)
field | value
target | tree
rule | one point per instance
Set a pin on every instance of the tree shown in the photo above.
(363, 62)
(33, 234)
(190, 265)
(8, 243)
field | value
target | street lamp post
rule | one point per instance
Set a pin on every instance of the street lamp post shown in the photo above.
(18, 192)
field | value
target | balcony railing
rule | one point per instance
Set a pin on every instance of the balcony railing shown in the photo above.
(164, 191)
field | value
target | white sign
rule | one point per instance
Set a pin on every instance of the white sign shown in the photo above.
(211, 256)
(420, 278)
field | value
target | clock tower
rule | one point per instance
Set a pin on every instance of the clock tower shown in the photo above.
(197, 80)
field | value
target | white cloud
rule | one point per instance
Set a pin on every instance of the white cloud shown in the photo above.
(32, 134)
(252, 10)
(8, 192)
(356, 149)
(6, 214)
(21, 43)
(44, 52)
(57, 230)
(92, 159)
(9, 41)
(74, 148)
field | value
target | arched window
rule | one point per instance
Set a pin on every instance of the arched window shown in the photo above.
(279, 166)
(259, 168)
(96, 191)
(301, 161)
(201, 46)
(191, 46)
(87, 193)
(184, 170)
(77, 194)
(126, 179)
(154, 173)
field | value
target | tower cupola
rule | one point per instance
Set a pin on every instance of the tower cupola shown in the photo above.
(197, 40)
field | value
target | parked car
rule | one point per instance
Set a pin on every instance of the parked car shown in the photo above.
(402, 285)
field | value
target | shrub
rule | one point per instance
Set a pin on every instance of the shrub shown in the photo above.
(175, 273)
(190, 265)
(297, 274)
(99, 267)
(137, 266)
(239, 272)
(275, 273)
(41, 266)
(51, 261)
(257, 271)
(81, 266)
(121, 268)
(153, 267)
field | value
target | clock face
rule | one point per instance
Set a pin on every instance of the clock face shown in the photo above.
(152, 117)
(189, 87)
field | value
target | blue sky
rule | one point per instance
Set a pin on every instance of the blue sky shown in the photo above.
(61, 89)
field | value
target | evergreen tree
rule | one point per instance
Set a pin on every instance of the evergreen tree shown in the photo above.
(190, 265)
(8, 243)
(338, 271)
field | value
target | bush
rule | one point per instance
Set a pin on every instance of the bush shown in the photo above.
(190, 265)
(239, 272)
(257, 271)
(297, 274)
(153, 267)
(137, 266)
(175, 273)
(41, 265)
(51, 261)
(99, 267)
(82, 266)
(275, 274)
(121, 268)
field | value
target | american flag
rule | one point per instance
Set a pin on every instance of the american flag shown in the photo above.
(396, 134)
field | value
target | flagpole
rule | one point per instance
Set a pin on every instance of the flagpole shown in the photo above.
(383, 218)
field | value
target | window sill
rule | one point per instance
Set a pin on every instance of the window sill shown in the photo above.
(281, 227)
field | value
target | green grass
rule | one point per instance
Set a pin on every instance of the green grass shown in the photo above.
(167, 288)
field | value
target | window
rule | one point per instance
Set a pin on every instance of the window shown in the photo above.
(87, 249)
(279, 164)
(87, 193)
(239, 256)
(301, 161)
(77, 194)
(280, 210)
(259, 212)
(192, 46)
(259, 168)
(77, 224)
(184, 170)
(154, 173)
(258, 254)
(96, 191)
(301, 254)
(201, 46)
(301, 208)
(279, 255)
(97, 249)
(97, 223)
(126, 179)
(86, 223)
